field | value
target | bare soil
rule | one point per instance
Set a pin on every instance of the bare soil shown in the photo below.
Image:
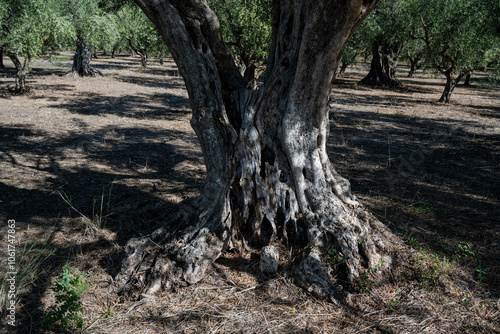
(87, 163)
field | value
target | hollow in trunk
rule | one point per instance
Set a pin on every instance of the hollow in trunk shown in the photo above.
(269, 178)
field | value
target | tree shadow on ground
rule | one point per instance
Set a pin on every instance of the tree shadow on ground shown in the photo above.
(433, 179)
(138, 164)
(160, 106)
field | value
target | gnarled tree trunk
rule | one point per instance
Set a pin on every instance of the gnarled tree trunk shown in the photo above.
(383, 65)
(82, 58)
(451, 83)
(20, 71)
(269, 178)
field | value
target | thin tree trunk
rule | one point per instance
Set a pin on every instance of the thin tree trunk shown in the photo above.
(2, 66)
(20, 72)
(82, 58)
(467, 80)
(269, 178)
(414, 64)
(144, 60)
(450, 85)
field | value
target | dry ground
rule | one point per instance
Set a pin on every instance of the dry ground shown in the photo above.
(87, 163)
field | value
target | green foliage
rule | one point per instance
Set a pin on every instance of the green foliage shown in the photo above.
(457, 33)
(25, 26)
(430, 268)
(138, 32)
(465, 249)
(246, 26)
(68, 289)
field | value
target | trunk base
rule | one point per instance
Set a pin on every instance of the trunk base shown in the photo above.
(181, 252)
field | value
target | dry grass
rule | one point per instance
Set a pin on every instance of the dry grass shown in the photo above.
(130, 129)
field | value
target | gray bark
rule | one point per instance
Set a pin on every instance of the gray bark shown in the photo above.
(269, 178)
(20, 71)
(451, 83)
(383, 65)
(82, 58)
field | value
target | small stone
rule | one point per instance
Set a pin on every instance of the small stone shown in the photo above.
(269, 257)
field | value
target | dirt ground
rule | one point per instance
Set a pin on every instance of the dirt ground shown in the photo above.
(87, 163)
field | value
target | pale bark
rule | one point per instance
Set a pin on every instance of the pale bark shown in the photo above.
(82, 58)
(269, 178)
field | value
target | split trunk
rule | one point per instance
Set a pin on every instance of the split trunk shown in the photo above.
(451, 83)
(383, 66)
(269, 178)
(20, 71)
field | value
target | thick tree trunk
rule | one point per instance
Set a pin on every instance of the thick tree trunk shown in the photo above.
(383, 66)
(269, 178)
(82, 58)
(451, 83)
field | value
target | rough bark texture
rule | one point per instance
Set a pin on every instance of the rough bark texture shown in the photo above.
(82, 58)
(383, 65)
(20, 72)
(269, 178)
(451, 83)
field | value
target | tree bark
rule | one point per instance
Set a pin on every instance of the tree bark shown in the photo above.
(414, 64)
(467, 80)
(383, 65)
(451, 83)
(269, 178)
(2, 66)
(20, 71)
(82, 58)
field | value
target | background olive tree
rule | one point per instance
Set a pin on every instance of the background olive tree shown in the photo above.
(24, 28)
(458, 36)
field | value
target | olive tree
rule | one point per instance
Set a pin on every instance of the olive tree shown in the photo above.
(246, 28)
(88, 21)
(25, 26)
(457, 36)
(268, 173)
(139, 34)
(386, 31)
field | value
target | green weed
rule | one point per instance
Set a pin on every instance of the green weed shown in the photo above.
(68, 290)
